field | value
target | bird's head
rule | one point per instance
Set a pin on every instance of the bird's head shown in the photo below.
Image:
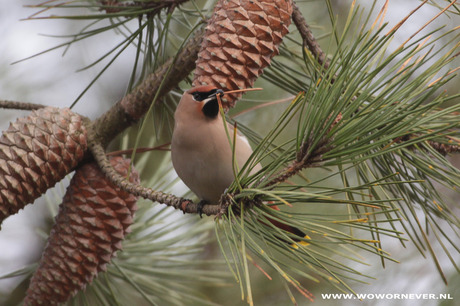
(203, 102)
(204, 99)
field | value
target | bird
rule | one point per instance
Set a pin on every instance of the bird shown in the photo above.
(200, 149)
(201, 152)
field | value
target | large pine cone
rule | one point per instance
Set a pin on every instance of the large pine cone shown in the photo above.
(241, 38)
(92, 221)
(36, 152)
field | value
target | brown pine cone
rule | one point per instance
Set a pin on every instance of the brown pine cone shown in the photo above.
(36, 152)
(93, 220)
(241, 38)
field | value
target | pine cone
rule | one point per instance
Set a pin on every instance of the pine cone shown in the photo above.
(241, 38)
(35, 153)
(92, 221)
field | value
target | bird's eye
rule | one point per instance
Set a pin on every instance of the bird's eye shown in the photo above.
(198, 96)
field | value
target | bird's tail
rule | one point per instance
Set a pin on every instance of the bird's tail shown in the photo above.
(291, 229)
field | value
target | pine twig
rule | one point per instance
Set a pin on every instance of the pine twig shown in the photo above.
(187, 206)
(163, 147)
(113, 6)
(308, 39)
(304, 158)
(20, 105)
(302, 161)
(442, 148)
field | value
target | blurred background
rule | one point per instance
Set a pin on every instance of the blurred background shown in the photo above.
(53, 79)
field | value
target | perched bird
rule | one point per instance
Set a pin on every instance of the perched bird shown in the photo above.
(201, 151)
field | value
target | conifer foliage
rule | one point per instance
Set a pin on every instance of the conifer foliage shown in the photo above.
(369, 115)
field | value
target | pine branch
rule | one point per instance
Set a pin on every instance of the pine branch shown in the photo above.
(134, 105)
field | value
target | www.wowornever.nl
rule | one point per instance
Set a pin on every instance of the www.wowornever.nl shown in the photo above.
(386, 296)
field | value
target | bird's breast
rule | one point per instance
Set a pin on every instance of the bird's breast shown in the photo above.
(202, 158)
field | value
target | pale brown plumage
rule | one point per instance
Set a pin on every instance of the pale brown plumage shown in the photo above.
(201, 151)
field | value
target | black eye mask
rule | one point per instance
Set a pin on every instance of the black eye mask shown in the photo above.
(200, 96)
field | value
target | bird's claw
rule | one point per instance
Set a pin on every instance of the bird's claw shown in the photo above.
(199, 207)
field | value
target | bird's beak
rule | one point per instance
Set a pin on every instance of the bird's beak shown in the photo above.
(218, 93)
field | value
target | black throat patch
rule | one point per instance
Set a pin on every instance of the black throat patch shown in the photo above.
(211, 108)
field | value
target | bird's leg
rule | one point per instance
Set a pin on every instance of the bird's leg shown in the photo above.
(199, 207)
